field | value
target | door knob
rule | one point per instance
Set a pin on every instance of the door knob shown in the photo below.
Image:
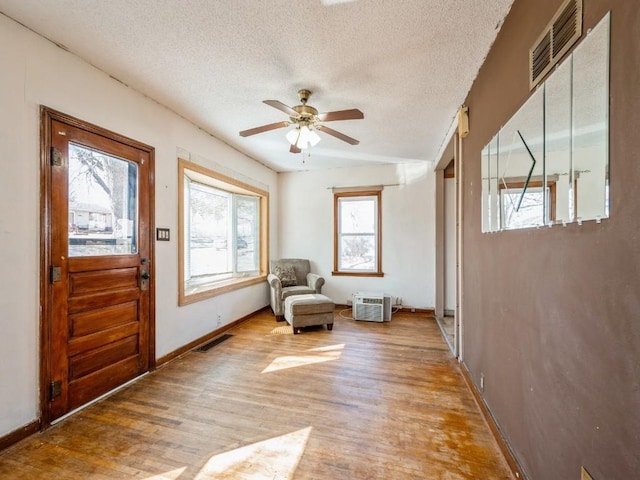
(144, 277)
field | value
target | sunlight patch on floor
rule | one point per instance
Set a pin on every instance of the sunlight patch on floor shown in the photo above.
(315, 355)
(172, 475)
(274, 459)
(284, 330)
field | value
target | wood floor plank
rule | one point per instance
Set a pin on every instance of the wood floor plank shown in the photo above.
(364, 401)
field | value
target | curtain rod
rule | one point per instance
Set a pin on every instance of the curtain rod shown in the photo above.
(364, 187)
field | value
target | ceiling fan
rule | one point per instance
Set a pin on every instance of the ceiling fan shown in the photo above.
(306, 120)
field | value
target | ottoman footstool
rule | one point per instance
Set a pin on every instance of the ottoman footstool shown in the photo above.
(307, 310)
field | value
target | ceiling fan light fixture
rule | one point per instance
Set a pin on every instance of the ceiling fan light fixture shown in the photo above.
(305, 121)
(293, 136)
(303, 137)
(307, 136)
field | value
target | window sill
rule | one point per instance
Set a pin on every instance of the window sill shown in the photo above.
(357, 274)
(203, 292)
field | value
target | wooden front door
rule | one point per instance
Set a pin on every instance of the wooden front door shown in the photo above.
(97, 268)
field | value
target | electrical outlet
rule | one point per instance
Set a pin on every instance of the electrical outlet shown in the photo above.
(482, 382)
(219, 320)
(349, 302)
(584, 475)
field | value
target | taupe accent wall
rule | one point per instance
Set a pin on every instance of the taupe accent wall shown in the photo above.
(552, 315)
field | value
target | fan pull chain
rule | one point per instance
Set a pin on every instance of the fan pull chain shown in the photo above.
(304, 159)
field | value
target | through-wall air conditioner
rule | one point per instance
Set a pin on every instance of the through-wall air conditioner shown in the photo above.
(372, 307)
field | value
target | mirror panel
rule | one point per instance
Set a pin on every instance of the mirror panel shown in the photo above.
(494, 213)
(486, 190)
(520, 167)
(590, 131)
(490, 189)
(550, 163)
(557, 120)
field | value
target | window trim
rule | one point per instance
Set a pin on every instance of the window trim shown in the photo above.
(336, 233)
(218, 180)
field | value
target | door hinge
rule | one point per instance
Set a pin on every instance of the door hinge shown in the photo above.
(55, 390)
(55, 274)
(56, 157)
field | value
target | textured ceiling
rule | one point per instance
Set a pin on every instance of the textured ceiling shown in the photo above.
(407, 64)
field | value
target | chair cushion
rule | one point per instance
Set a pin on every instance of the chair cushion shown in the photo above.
(286, 274)
(296, 290)
(307, 305)
(300, 266)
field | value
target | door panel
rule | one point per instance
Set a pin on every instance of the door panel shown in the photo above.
(91, 386)
(98, 309)
(100, 319)
(81, 346)
(90, 282)
(102, 356)
(79, 303)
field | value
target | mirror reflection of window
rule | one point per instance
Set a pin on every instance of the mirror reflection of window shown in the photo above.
(522, 208)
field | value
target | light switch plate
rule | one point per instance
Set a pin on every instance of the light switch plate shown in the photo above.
(163, 234)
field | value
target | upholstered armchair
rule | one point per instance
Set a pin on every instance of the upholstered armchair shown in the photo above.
(291, 276)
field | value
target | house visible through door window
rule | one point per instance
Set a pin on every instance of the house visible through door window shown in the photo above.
(222, 233)
(357, 245)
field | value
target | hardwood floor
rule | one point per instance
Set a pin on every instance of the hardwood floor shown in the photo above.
(365, 401)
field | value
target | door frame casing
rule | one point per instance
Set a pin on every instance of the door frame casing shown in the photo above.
(47, 116)
(450, 154)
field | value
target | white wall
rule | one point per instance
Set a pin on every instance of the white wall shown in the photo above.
(408, 224)
(34, 73)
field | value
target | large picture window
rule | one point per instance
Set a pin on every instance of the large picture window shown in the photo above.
(357, 245)
(222, 233)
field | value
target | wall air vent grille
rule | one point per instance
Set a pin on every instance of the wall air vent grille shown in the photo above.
(565, 28)
(557, 38)
(541, 57)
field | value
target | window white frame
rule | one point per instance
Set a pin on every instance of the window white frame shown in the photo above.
(209, 285)
(342, 199)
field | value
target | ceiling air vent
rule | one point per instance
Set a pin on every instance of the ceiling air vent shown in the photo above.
(560, 34)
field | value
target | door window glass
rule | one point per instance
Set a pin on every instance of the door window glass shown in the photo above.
(103, 203)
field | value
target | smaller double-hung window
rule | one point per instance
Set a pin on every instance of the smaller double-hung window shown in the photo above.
(357, 238)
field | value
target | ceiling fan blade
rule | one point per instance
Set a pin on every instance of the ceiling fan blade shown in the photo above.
(353, 114)
(263, 128)
(294, 149)
(337, 134)
(282, 107)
